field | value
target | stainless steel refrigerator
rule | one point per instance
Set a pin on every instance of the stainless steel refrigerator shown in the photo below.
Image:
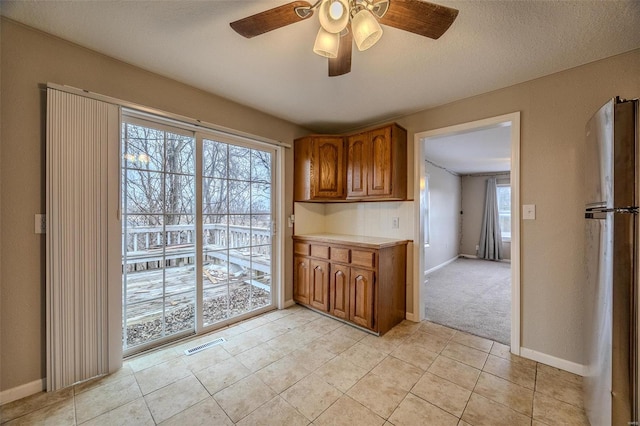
(611, 263)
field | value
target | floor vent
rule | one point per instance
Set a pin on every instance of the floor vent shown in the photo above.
(204, 346)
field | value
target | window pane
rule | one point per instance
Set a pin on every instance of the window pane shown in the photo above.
(260, 166)
(239, 163)
(504, 198)
(504, 209)
(180, 312)
(260, 198)
(214, 196)
(180, 155)
(260, 230)
(214, 231)
(214, 162)
(144, 192)
(239, 197)
(144, 232)
(239, 231)
(505, 225)
(143, 148)
(179, 194)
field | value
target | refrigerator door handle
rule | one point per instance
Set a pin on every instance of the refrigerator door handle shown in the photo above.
(601, 213)
(628, 210)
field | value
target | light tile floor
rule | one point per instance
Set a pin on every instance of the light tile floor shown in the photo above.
(297, 367)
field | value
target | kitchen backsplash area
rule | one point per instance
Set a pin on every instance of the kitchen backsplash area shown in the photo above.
(390, 219)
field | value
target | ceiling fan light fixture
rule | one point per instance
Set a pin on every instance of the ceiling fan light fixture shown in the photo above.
(326, 43)
(366, 29)
(334, 15)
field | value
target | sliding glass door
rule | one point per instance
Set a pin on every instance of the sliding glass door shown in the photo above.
(197, 231)
(159, 255)
(237, 227)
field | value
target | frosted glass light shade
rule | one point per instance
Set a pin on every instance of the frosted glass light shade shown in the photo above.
(366, 30)
(326, 43)
(334, 15)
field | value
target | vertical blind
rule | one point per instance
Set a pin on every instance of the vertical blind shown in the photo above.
(83, 289)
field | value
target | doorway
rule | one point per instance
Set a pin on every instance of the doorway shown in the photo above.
(424, 210)
(197, 230)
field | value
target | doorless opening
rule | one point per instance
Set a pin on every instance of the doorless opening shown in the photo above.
(512, 120)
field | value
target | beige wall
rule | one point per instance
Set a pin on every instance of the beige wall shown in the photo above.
(28, 60)
(554, 111)
(474, 190)
(444, 220)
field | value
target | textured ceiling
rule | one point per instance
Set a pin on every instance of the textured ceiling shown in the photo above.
(492, 44)
(477, 151)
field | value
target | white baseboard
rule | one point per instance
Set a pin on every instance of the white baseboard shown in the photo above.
(468, 256)
(21, 391)
(442, 265)
(552, 361)
(473, 256)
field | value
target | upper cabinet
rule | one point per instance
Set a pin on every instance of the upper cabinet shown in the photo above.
(377, 164)
(374, 167)
(319, 168)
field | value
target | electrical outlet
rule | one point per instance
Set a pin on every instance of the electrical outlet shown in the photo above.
(396, 223)
(40, 224)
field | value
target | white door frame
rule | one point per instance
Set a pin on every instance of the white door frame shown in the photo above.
(419, 172)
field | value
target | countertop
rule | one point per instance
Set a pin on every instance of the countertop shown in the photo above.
(360, 240)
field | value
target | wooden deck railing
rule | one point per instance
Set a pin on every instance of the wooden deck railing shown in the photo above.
(145, 249)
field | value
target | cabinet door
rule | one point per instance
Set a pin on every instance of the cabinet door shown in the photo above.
(339, 290)
(319, 284)
(328, 168)
(362, 298)
(358, 154)
(381, 162)
(301, 279)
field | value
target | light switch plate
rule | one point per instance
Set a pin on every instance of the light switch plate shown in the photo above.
(529, 211)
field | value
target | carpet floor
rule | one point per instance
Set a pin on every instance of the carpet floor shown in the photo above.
(471, 295)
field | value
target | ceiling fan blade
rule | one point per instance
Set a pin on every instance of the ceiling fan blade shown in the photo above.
(419, 17)
(342, 63)
(271, 19)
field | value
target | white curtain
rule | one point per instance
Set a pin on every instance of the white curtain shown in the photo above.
(83, 286)
(490, 235)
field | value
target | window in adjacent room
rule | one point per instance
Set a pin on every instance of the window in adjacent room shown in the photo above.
(427, 212)
(504, 210)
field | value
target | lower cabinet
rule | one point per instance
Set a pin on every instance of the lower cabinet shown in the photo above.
(362, 298)
(339, 290)
(363, 284)
(301, 290)
(319, 284)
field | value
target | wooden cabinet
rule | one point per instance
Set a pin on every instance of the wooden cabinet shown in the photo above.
(319, 168)
(376, 164)
(339, 290)
(319, 284)
(370, 165)
(362, 298)
(357, 161)
(301, 279)
(362, 282)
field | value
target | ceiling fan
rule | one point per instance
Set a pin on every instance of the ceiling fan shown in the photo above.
(342, 21)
